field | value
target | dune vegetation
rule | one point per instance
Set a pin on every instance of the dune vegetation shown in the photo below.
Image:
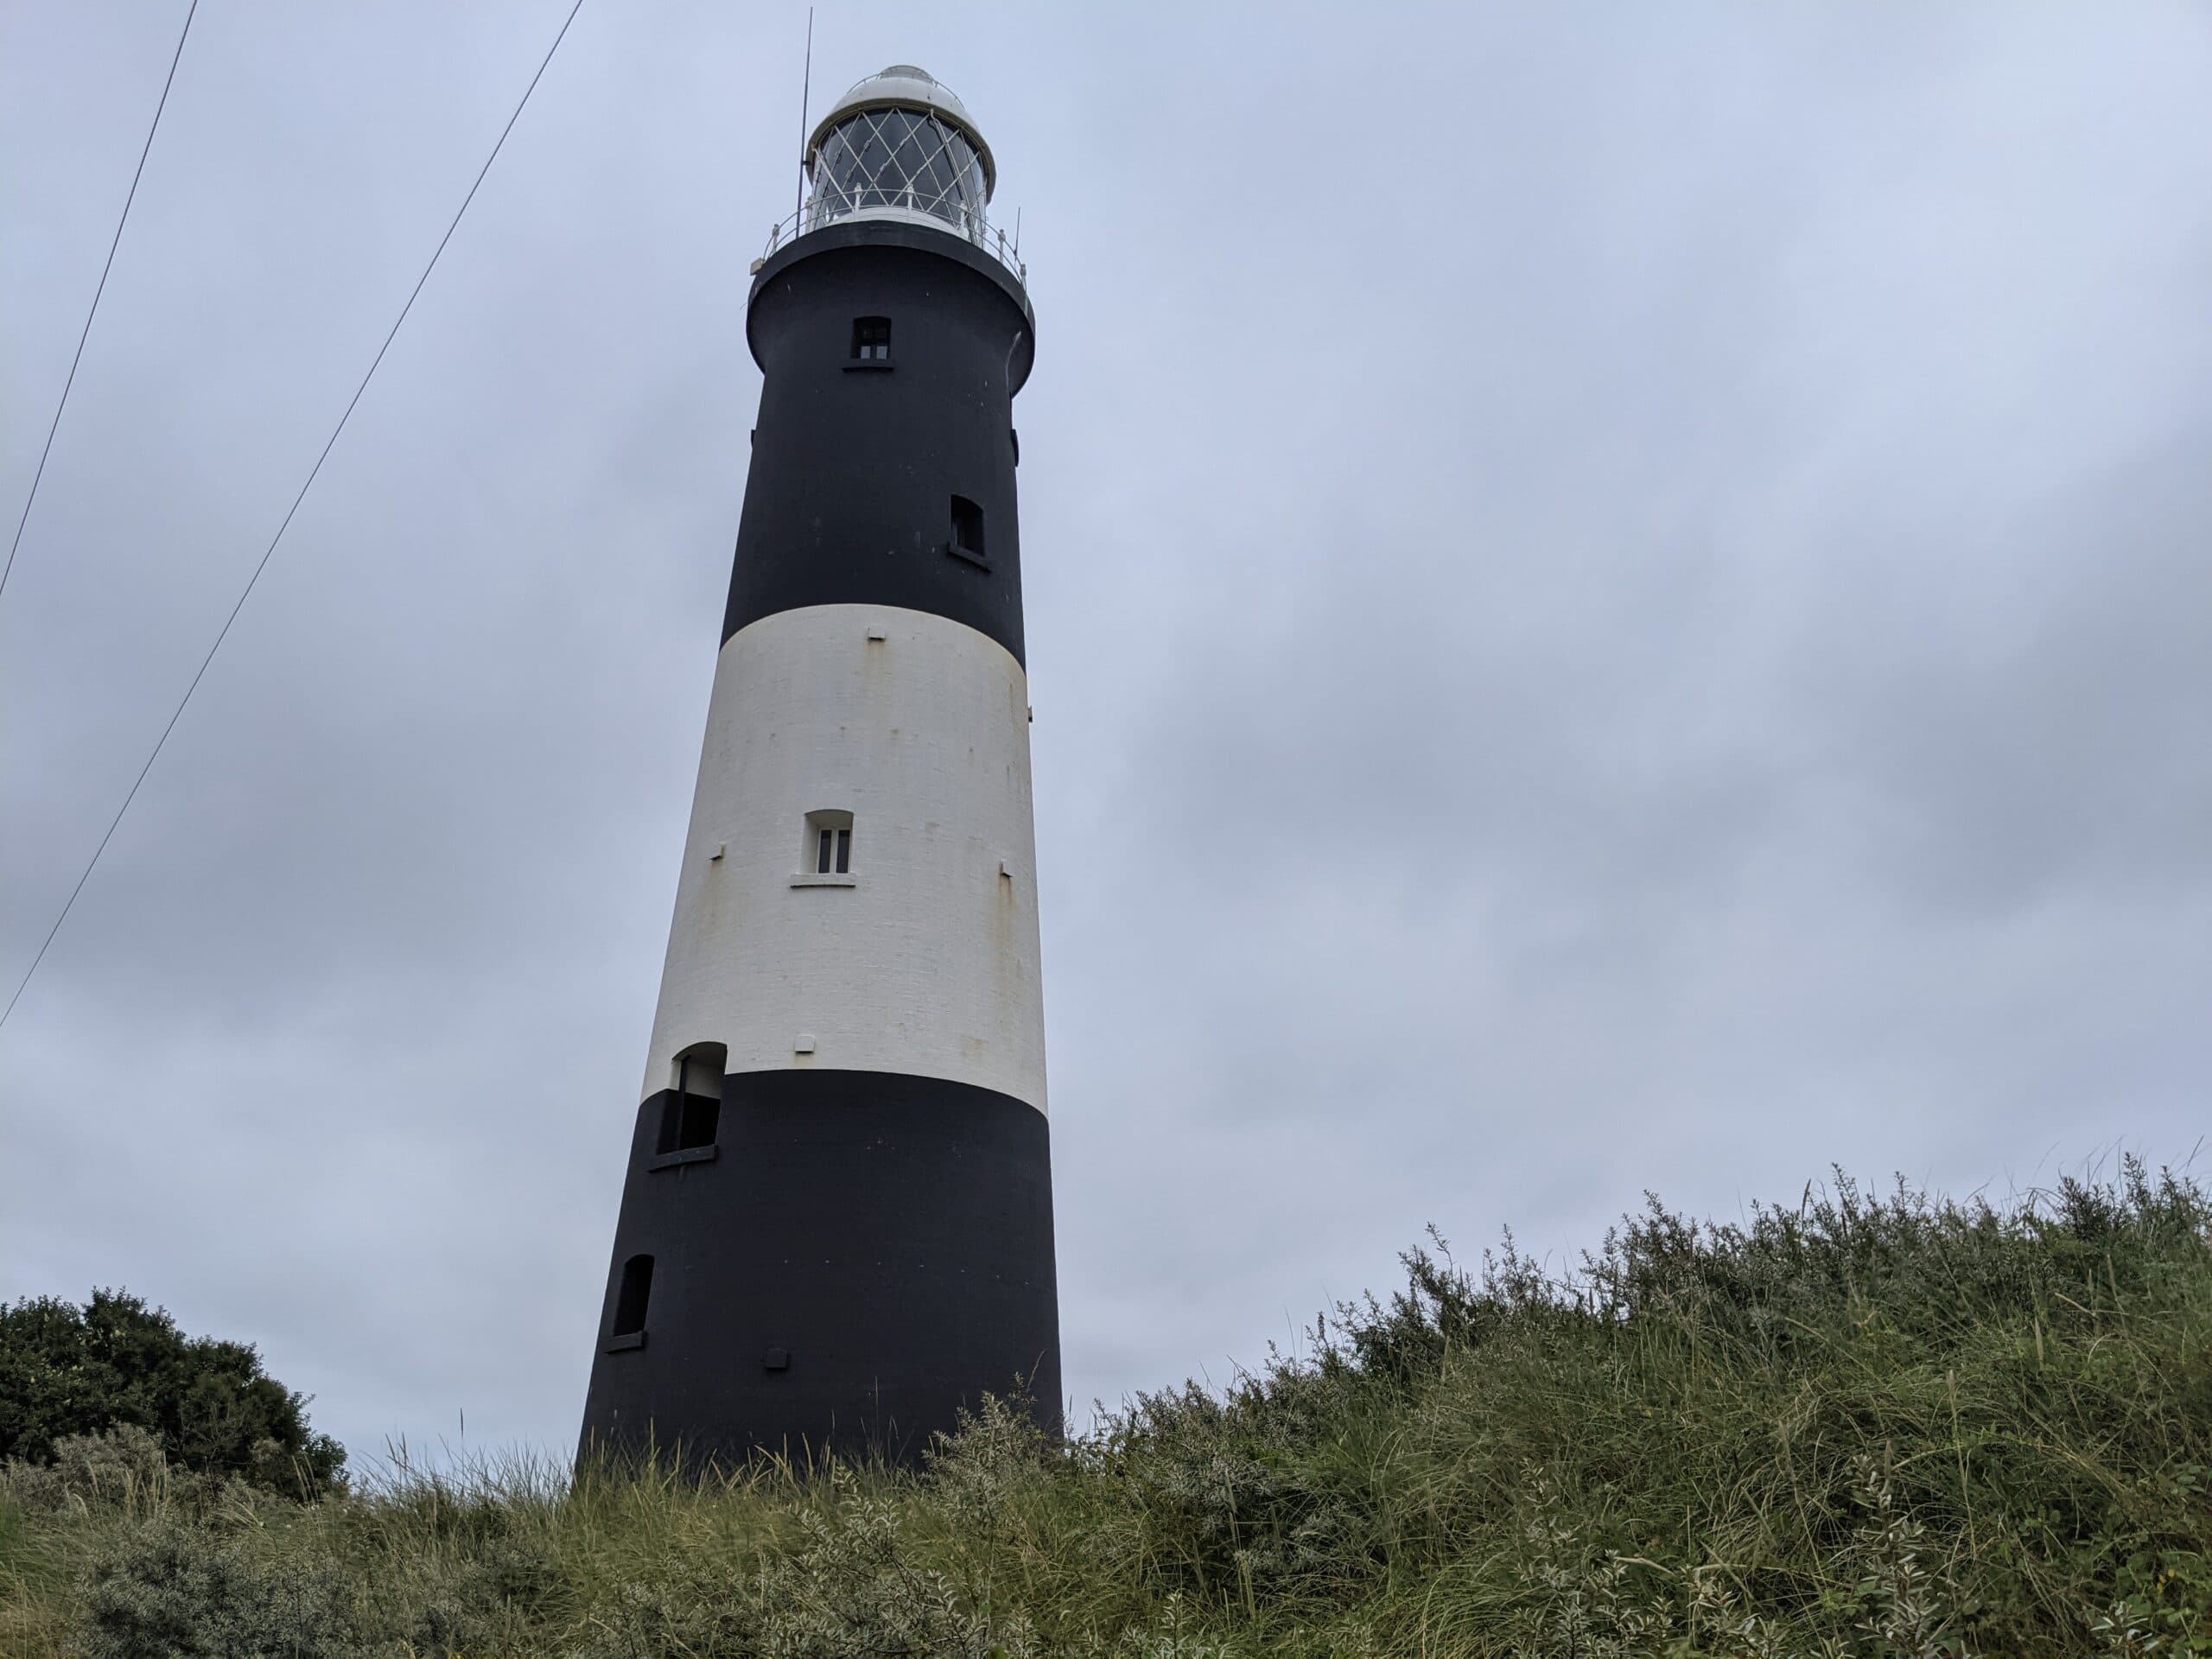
(1852, 1425)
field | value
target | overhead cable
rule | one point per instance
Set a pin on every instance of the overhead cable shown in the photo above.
(312, 473)
(55, 425)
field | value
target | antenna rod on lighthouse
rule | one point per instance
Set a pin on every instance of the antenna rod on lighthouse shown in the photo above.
(805, 92)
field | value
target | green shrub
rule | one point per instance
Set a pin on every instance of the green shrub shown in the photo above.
(70, 1371)
(121, 1467)
(174, 1592)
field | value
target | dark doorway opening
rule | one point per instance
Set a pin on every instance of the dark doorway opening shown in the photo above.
(692, 1116)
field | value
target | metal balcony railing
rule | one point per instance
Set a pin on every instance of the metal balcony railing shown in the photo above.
(964, 222)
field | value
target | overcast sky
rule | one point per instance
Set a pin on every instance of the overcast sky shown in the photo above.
(1618, 598)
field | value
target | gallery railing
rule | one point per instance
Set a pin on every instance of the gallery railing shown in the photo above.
(961, 221)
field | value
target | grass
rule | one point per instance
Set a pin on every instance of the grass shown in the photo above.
(1862, 1426)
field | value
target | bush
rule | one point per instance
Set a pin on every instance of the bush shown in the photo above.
(70, 1371)
(123, 1468)
(174, 1592)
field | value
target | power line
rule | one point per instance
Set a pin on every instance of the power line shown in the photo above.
(312, 473)
(56, 424)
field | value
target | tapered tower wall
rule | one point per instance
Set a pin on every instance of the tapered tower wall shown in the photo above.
(839, 1183)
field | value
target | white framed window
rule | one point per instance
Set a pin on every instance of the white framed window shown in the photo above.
(825, 854)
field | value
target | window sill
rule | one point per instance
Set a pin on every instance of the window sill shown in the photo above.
(823, 881)
(628, 1340)
(959, 552)
(870, 365)
(683, 1156)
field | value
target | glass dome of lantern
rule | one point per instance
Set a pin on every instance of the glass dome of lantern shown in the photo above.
(899, 145)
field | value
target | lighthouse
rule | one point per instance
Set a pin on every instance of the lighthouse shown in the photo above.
(836, 1220)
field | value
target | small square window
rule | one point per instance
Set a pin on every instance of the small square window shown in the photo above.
(828, 849)
(872, 340)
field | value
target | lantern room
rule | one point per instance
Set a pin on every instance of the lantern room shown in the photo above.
(899, 145)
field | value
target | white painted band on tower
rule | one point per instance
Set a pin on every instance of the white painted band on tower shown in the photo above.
(920, 958)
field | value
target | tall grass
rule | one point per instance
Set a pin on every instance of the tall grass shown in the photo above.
(1855, 1424)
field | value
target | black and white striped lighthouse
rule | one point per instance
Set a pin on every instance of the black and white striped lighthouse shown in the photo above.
(836, 1227)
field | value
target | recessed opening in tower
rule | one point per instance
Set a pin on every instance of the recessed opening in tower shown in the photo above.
(872, 339)
(967, 527)
(828, 849)
(629, 1301)
(691, 1117)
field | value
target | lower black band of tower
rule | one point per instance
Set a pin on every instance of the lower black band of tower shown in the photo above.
(862, 1255)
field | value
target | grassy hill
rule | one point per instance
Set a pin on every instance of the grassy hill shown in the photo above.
(1855, 1426)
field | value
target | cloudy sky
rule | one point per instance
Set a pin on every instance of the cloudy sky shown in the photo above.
(1618, 599)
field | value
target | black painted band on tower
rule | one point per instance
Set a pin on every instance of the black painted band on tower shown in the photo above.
(860, 1252)
(856, 461)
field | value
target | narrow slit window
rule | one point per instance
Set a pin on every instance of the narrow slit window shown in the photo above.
(692, 1115)
(872, 340)
(967, 527)
(631, 1299)
(833, 852)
